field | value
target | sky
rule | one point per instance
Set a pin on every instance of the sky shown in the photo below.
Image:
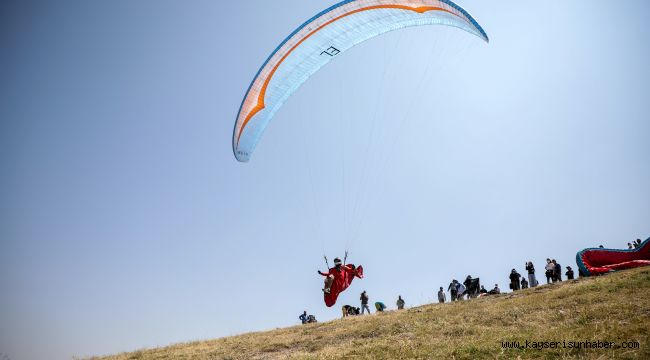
(126, 222)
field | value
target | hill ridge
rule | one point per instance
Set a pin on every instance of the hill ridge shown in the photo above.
(607, 309)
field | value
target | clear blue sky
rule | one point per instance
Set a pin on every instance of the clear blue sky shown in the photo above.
(125, 221)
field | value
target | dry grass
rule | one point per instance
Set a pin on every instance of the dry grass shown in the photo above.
(609, 308)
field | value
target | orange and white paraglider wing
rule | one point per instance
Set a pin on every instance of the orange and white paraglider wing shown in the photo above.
(323, 38)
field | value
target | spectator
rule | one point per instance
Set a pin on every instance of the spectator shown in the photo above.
(637, 243)
(600, 246)
(569, 273)
(453, 289)
(514, 280)
(348, 310)
(557, 272)
(442, 297)
(304, 318)
(364, 302)
(483, 290)
(630, 246)
(532, 281)
(495, 291)
(474, 288)
(468, 284)
(400, 303)
(380, 306)
(524, 283)
(460, 291)
(550, 269)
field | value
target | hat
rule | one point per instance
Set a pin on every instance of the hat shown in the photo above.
(337, 261)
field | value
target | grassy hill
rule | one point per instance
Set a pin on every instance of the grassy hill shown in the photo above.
(613, 308)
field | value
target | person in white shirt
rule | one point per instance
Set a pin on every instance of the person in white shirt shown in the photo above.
(550, 270)
(441, 296)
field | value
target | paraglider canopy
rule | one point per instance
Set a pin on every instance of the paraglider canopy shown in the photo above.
(598, 261)
(321, 39)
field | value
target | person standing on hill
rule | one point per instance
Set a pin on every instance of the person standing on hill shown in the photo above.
(550, 270)
(569, 273)
(304, 318)
(400, 303)
(514, 280)
(468, 285)
(460, 291)
(453, 289)
(364, 302)
(532, 281)
(441, 295)
(557, 270)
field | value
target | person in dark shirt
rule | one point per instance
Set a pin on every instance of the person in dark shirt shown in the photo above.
(558, 270)
(532, 281)
(569, 273)
(453, 289)
(364, 302)
(495, 291)
(400, 303)
(304, 318)
(514, 280)
(349, 310)
(524, 283)
(468, 284)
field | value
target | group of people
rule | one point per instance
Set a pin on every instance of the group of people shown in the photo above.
(635, 244)
(307, 319)
(471, 288)
(468, 289)
(379, 306)
(348, 310)
(553, 272)
(456, 290)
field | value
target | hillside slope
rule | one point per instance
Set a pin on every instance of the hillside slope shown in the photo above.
(613, 308)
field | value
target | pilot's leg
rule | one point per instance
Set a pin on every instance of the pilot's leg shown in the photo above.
(328, 283)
